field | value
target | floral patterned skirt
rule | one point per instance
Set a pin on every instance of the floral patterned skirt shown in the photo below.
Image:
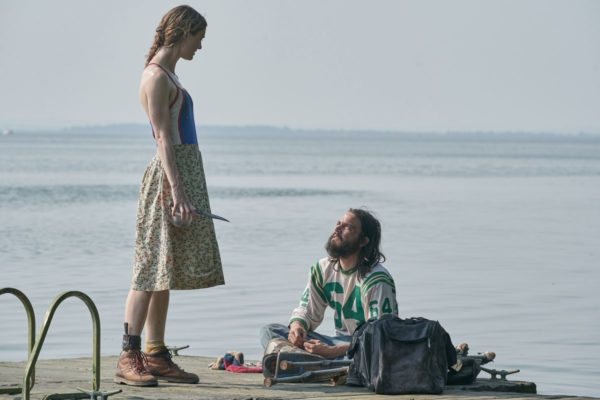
(167, 256)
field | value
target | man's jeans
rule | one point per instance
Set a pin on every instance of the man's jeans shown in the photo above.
(278, 331)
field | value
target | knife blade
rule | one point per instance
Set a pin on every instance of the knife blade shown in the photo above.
(210, 215)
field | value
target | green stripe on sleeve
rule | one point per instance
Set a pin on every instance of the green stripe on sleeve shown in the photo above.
(315, 270)
(374, 276)
(385, 280)
(316, 278)
(317, 288)
(303, 322)
(375, 282)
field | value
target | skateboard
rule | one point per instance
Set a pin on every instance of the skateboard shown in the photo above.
(284, 362)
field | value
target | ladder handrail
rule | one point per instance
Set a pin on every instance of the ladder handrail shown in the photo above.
(30, 322)
(39, 342)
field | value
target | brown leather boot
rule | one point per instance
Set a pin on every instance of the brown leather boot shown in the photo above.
(131, 367)
(131, 370)
(163, 368)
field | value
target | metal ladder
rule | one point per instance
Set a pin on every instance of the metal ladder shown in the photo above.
(30, 334)
(35, 350)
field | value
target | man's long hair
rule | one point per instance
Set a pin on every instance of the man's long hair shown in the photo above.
(370, 254)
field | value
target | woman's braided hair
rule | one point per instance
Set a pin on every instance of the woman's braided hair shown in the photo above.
(177, 24)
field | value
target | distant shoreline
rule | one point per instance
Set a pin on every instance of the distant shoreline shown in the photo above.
(210, 130)
(273, 131)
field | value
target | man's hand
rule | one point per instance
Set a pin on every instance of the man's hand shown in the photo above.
(297, 334)
(317, 347)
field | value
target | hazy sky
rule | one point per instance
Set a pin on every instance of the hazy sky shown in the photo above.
(394, 65)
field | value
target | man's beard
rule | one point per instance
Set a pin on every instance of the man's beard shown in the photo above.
(343, 249)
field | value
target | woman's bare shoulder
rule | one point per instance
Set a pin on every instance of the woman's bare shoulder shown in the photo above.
(156, 90)
(154, 76)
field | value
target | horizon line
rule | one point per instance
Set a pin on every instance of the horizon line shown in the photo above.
(296, 129)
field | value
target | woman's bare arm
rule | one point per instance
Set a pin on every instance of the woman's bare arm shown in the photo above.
(157, 93)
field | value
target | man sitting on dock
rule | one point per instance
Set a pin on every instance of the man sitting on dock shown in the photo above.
(351, 280)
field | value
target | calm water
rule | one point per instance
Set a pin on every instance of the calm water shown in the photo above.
(495, 236)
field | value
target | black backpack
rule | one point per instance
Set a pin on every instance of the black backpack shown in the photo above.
(399, 356)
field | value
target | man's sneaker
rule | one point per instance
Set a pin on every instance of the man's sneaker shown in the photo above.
(163, 368)
(131, 370)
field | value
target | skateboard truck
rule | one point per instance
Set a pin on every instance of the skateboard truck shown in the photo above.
(174, 350)
(503, 373)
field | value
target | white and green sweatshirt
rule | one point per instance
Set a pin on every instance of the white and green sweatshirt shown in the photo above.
(353, 299)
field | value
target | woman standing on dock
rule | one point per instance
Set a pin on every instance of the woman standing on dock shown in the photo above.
(174, 249)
